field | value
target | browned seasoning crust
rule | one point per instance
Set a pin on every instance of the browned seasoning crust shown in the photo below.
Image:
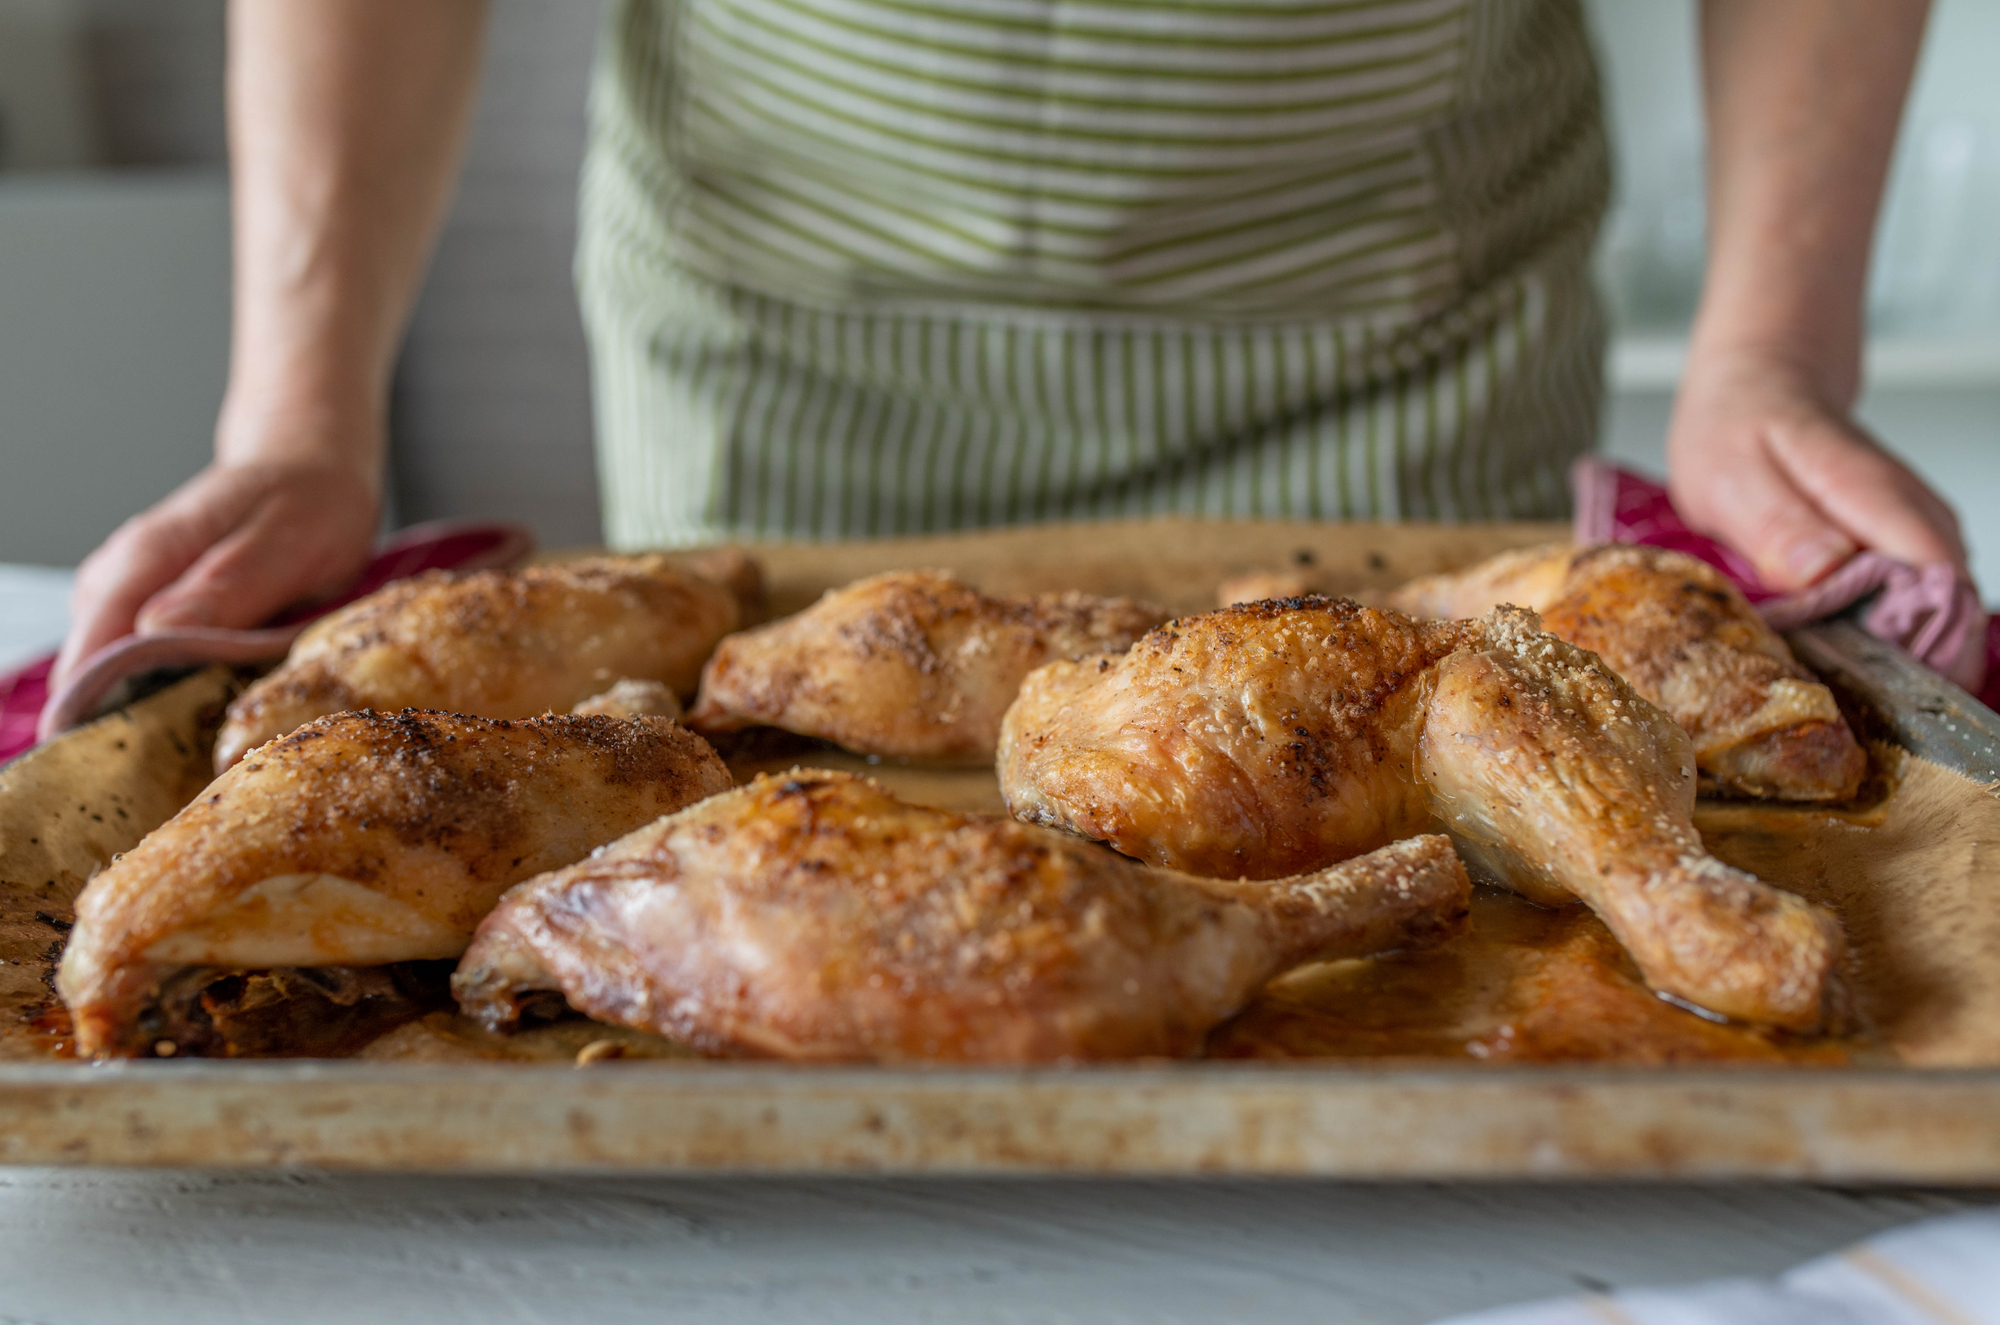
(501, 644)
(911, 664)
(1276, 736)
(812, 915)
(436, 813)
(1687, 639)
(1290, 725)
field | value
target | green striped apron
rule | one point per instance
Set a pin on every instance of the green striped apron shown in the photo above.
(862, 267)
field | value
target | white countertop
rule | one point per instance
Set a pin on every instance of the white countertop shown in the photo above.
(106, 1247)
(34, 612)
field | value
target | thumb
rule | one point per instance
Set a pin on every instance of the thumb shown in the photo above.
(1756, 509)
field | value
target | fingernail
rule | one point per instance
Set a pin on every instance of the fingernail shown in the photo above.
(1814, 556)
(194, 612)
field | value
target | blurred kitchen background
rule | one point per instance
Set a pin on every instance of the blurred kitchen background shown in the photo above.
(114, 273)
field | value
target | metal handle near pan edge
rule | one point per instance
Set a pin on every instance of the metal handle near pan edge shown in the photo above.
(1928, 715)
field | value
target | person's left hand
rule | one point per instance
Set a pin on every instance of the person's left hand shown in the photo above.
(1758, 458)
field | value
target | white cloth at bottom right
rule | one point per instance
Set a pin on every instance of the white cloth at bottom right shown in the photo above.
(1939, 1272)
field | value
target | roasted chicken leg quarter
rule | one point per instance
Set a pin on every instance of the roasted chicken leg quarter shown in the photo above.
(1279, 736)
(912, 664)
(502, 644)
(812, 915)
(356, 843)
(1686, 639)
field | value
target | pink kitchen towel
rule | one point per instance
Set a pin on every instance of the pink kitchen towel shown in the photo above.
(1932, 612)
(28, 711)
(22, 694)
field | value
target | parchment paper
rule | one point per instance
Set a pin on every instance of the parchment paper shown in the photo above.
(1915, 876)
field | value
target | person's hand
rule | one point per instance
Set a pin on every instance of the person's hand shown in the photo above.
(1758, 458)
(230, 547)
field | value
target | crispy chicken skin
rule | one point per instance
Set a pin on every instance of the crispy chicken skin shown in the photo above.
(361, 840)
(1277, 736)
(912, 664)
(811, 915)
(501, 644)
(1687, 639)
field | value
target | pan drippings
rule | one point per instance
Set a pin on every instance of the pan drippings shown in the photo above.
(1522, 984)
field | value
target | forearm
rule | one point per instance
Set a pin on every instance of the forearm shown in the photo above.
(346, 119)
(1803, 99)
(345, 123)
(1763, 452)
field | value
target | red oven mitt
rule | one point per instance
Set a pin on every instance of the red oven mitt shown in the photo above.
(28, 712)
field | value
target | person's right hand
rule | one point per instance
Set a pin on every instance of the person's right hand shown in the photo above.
(230, 547)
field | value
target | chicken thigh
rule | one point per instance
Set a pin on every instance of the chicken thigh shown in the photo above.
(1278, 736)
(812, 915)
(912, 664)
(358, 842)
(501, 644)
(1686, 639)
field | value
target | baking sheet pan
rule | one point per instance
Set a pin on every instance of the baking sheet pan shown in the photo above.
(1932, 932)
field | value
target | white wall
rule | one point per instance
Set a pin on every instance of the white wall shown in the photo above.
(492, 411)
(114, 328)
(1938, 259)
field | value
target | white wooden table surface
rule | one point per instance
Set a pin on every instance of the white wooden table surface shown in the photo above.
(111, 1248)
(102, 1247)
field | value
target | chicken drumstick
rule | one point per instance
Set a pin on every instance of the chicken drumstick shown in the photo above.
(812, 915)
(1686, 639)
(1278, 736)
